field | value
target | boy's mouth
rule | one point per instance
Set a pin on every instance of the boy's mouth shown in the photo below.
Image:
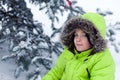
(79, 45)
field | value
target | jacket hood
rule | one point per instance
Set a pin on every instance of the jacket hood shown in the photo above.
(98, 21)
(92, 24)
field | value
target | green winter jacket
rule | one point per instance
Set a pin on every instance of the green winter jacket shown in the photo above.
(80, 66)
(99, 66)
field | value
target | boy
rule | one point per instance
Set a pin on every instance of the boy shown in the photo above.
(85, 56)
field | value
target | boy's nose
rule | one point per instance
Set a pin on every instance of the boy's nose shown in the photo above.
(79, 39)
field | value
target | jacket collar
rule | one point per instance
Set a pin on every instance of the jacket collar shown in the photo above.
(83, 53)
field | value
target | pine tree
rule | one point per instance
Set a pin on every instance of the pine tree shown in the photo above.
(113, 31)
(29, 45)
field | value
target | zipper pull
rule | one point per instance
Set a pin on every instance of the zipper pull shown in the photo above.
(86, 60)
(76, 57)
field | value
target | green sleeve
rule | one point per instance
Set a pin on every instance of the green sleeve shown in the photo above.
(56, 72)
(104, 67)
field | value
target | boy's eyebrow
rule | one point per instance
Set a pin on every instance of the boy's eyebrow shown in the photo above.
(81, 32)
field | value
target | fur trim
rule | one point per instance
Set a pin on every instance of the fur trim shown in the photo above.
(67, 35)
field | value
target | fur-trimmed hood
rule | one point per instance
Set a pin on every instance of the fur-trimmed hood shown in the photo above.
(92, 24)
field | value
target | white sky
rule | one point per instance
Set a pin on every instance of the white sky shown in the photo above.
(112, 5)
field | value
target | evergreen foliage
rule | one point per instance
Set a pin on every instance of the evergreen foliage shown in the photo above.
(29, 45)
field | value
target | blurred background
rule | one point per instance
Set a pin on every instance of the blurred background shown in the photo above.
(29, 33)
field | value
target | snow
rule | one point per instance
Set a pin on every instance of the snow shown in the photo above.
(7, 68)
(116, 57)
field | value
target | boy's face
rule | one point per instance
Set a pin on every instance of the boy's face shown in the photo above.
(81, 41)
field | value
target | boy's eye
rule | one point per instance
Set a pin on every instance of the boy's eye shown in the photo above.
(82, 36)
(76, 35)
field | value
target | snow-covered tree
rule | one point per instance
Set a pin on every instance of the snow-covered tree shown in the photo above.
(113, 33)
(29, 45)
